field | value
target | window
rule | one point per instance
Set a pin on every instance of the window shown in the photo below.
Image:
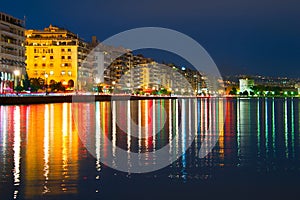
(44, 57)
(36, 57)
(51, 64)
(63, 72)
(69, 57)
(35, 64)
(66, 64)
(63, 57)
(69, 50)
(62, 50)
(51, 73)
(44, 65)
(69, 73)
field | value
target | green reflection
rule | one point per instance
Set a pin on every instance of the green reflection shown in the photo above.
(266, 126)
(273, 125)
(286, 128)
(293, 128)
(258, 127)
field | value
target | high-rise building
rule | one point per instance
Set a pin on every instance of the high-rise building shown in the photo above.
(107, 62)
(56, 55)
(120, 69)
(152, 76)
(12, 56)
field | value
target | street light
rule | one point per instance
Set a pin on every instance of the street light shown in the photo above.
(16, 73)
(113, 83)
(46, 78)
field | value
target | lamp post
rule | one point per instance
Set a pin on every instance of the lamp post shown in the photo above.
(113, 83)
(46, 79)
(16, 73)
(97, 81)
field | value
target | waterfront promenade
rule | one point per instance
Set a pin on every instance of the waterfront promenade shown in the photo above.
(69, 98)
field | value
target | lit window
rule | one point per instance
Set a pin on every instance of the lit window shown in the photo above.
(69, 73)
(36, 57)
(63, 72)
(44, 57)
(51, 73)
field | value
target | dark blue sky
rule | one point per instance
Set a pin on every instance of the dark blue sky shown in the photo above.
(249, 37)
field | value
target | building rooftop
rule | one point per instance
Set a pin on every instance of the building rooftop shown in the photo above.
(12, 20)
(51, 32)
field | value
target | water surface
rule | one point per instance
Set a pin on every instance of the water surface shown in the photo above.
(44, 154)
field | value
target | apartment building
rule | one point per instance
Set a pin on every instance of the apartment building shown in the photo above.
(12, 56)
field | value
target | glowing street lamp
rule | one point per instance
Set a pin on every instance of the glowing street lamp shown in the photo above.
(16, 73)
(46, 78)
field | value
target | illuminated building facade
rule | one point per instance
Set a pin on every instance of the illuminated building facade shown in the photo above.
(108, 63)
(246, 85)
(56, 55)
(152, 76)
(118, 68)
(12, 56)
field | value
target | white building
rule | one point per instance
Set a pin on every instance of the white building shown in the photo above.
(246, 85)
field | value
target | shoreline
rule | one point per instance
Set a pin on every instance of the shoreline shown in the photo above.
(45, 99)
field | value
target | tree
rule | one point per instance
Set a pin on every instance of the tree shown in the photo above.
(233, 91)
(57, 86)
(154, 92)
(26, 82)
(35, 84)
(99, 88)
(245, 93)
(19, 88)
(164, 91)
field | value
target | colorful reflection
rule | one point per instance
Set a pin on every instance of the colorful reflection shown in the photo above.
(42, 151)
(44, 148)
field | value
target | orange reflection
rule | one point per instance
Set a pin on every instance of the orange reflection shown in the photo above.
(52, 144)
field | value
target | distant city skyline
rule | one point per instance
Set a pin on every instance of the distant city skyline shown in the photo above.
(242, 37)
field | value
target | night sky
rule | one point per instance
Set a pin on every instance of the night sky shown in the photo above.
(243, 37)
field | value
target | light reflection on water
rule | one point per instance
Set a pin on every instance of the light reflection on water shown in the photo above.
(42, 154)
